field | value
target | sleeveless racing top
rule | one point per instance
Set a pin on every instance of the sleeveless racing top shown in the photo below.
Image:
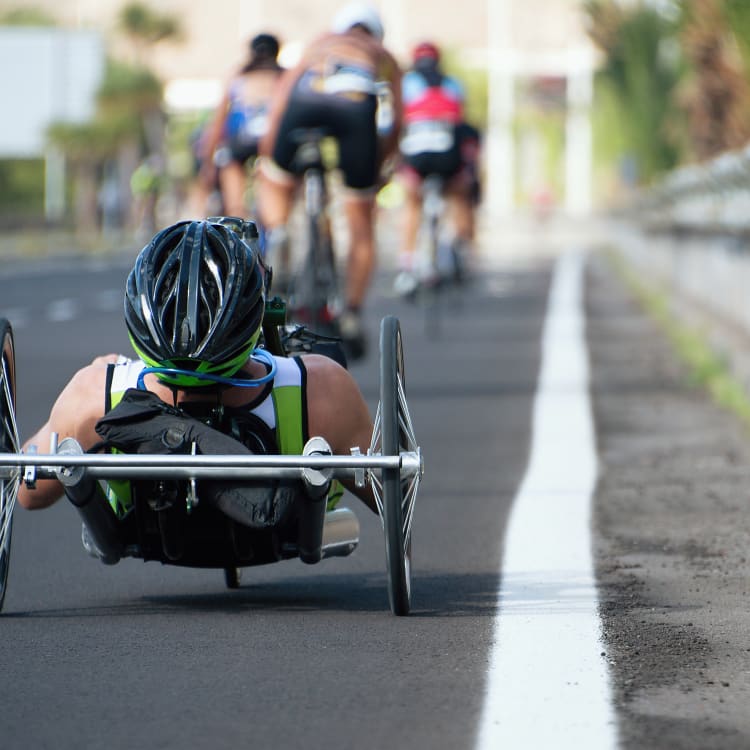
(432, 97)
(246, 123)
(281, 407)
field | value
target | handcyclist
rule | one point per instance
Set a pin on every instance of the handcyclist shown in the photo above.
(436, 139)
(335, 87)
(194, 304)
(240, 120)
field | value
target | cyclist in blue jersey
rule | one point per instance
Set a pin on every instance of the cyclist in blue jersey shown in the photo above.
(194, 306)
(239, 123)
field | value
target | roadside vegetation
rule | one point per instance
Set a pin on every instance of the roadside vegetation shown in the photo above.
(127, 130)
(674, 83)
(706, 367)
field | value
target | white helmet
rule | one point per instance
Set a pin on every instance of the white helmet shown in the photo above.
(359, 14)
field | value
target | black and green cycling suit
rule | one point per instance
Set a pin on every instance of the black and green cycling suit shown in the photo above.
(281, 408)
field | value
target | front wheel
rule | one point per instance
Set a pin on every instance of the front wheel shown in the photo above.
(394, 494)
(9, 443)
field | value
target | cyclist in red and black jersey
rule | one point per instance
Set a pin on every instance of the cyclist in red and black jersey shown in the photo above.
(436, 139)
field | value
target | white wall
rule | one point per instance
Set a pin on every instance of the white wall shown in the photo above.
(46, 74)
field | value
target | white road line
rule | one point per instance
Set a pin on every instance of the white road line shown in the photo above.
(18, 316)
(109, 300)
(62, 310)
(548, 684)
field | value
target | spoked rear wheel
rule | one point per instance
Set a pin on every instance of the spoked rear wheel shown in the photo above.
(395, 496)
(8, 444)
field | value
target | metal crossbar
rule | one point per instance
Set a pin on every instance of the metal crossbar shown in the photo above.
(202, 466)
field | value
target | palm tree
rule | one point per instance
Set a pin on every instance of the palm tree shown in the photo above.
(129, 121)
(716, 93)
(737, 15)
(634, 40)
(146, 28)
(85, 147)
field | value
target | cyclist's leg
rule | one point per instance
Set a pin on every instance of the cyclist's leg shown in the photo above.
(276, 190)
(277, 183)
(462, 213)
(233, 183)
(412, 215)
(360, 212)
(358, 162)
(408, 262)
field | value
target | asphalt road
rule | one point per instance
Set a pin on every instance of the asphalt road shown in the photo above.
(147, 655)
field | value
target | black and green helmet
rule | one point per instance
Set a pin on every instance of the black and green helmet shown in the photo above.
(195, 300)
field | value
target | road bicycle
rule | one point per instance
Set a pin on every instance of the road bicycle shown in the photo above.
(170, 522)
(314, 298)
(438, 261)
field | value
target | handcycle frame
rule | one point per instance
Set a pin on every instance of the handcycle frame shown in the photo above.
(392, 466)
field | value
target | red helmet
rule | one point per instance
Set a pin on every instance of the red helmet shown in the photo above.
(426, 50)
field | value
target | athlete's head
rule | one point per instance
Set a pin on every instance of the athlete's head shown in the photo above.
(426, 51)
(426, 56)
(359, 15)
(264, 51)
(264, 47)
(195, 301)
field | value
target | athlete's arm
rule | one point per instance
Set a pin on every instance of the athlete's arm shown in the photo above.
(277, 106)
(74, 414)
(337, 412)
(214, 136)
(390, 143)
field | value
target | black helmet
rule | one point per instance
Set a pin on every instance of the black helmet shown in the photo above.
(264, 46)
(195, 301)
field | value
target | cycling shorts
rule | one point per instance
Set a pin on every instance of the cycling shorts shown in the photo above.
(350, 120)
(242, 152)
(432, 147)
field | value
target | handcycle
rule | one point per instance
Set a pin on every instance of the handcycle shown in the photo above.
(191, 533)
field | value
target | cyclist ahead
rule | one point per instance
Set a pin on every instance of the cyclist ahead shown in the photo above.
(335, 87)
(194, 304)
(436, 139)
(231, 139)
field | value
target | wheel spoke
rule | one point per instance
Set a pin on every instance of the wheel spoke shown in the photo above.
(377, 491)
(8, 493)
(10, 443)
(9, 426)
(409, 505)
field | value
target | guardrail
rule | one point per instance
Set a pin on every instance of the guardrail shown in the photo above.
(690, 237)
(713, 197)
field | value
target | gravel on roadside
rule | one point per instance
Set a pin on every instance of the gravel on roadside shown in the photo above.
(672, 518)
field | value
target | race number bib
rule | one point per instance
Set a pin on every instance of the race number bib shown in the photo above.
(427, 136)
(255, 127)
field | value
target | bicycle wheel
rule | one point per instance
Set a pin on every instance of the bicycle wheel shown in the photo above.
(313, 288)
(8, 444)
(321, 269)
(395, 497)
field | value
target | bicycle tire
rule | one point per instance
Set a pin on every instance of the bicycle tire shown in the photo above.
(315, 288)
(397, 542)
(9, 443)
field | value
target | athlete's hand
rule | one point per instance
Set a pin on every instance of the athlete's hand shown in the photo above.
(105, 359)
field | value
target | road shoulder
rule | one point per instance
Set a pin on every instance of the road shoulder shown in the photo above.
(673, 527)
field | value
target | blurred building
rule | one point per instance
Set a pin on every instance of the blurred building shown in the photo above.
(536, 53)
